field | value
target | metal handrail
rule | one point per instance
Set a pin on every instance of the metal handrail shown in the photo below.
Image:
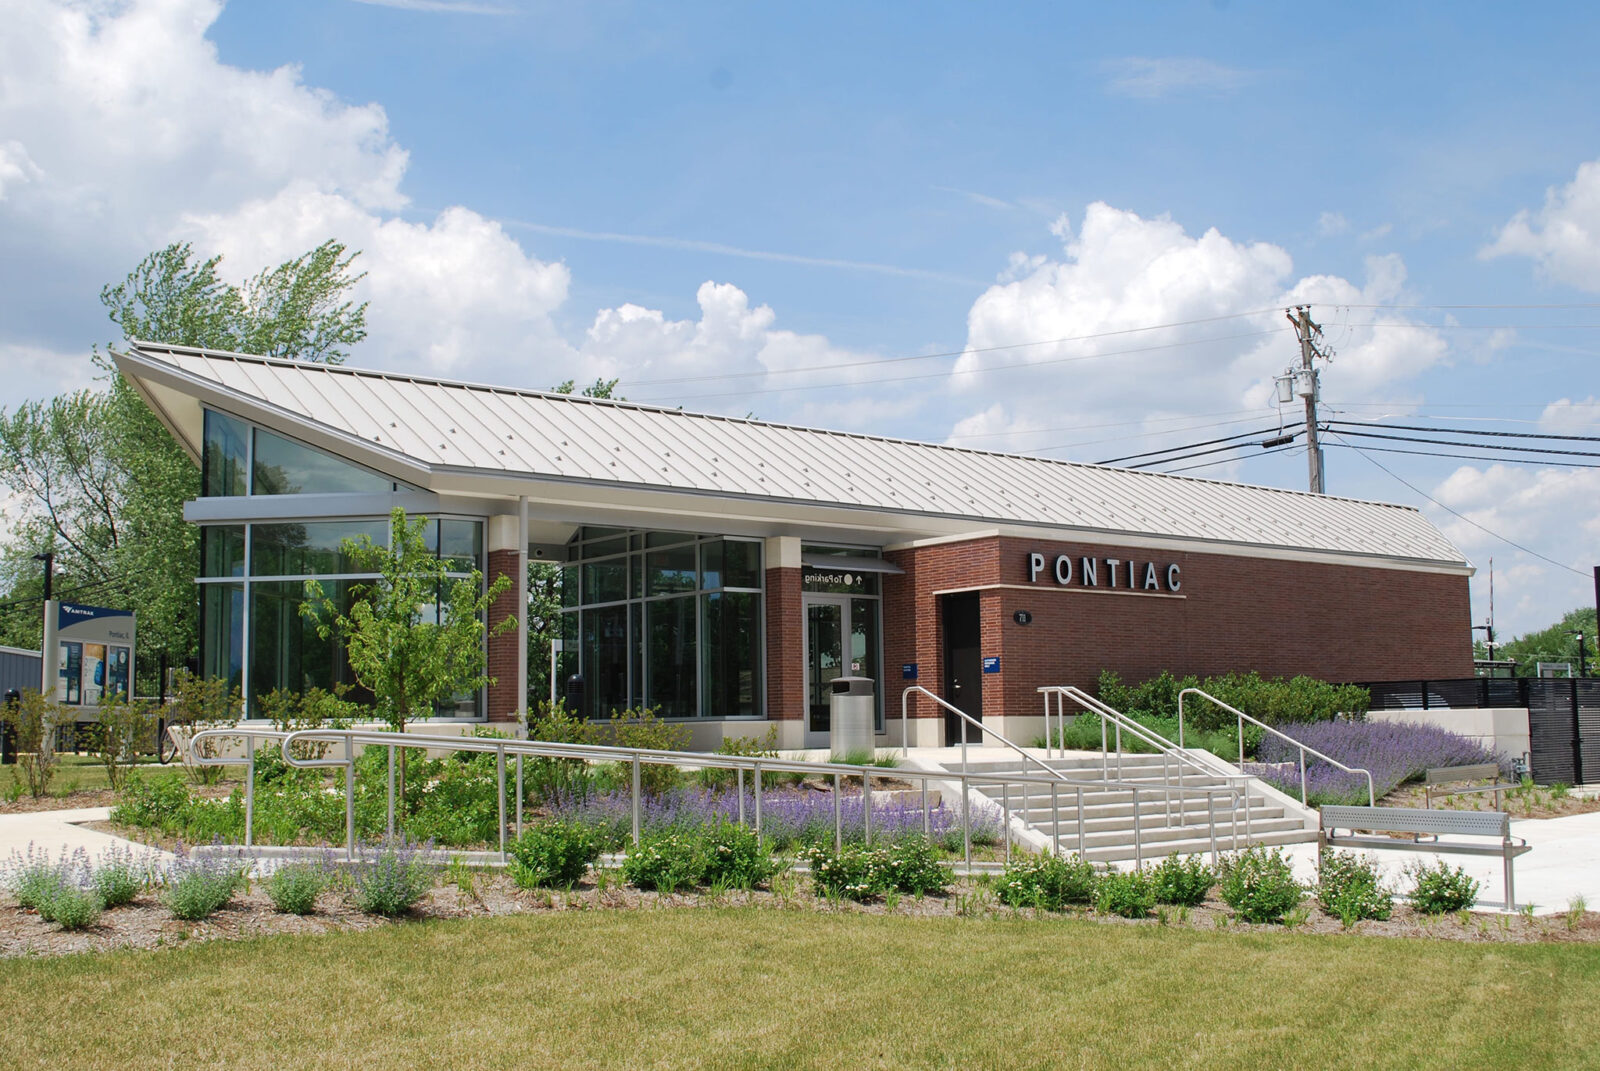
(335, 756)
(1304, 748)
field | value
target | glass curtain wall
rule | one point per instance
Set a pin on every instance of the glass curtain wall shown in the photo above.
(670, 620)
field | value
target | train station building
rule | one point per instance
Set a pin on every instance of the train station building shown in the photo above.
(723, 571)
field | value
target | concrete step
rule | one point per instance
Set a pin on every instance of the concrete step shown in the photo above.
(1192, 812)
(1157, 838)
(1069, 795)
(1111, 830)
(1156, 851)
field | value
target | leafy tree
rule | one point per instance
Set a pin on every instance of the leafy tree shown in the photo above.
(1550, 644)
(415, 635)
(102, 483)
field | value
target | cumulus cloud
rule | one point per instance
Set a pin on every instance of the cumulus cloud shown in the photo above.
(1554, 512)
(1562, 237)
(1331, 223)
(1074, 339)
(1567, 417)
(124, 131)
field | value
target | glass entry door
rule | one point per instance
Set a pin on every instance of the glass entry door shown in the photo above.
(841, 641)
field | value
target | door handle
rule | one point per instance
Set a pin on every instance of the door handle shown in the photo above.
(955, 686)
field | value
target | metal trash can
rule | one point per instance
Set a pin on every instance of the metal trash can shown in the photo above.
(851, 707)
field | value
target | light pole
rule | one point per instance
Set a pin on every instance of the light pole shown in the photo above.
(1582, 669)
(49, 559)
(47, 657)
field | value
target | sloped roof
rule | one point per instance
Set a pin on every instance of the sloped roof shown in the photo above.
(444, 427)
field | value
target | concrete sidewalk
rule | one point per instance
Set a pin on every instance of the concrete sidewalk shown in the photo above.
(1564, 863)
(54, 830)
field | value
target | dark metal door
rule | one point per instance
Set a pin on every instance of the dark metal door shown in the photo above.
(963, 664)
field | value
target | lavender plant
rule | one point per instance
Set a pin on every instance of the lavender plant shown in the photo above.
(294, 887)
(199, 885)
(1394, 753)
(394, 881)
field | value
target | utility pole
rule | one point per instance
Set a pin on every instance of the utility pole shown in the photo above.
(1306, 386)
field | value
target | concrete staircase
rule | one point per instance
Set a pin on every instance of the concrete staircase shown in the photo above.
(1109, 813)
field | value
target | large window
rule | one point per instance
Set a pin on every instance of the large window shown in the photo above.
(670, 620)
(238, 459)
(252, 631)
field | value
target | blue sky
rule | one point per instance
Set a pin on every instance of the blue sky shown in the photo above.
(721, 203)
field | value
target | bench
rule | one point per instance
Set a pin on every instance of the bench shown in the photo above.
(1448, 775)
(1364, 825)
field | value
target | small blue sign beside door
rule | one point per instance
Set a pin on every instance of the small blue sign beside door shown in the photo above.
(991, 664)
(908, 671)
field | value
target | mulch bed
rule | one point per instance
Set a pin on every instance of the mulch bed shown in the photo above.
(146, 923)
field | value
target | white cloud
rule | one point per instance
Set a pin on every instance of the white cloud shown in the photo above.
(1332, 223)
(124, 131)
(1563, 237)
(1149, 77)
(1029, 336)
(1554, 512)
(1567, 417)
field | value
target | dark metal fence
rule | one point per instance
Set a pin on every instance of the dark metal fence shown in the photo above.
(1563, 715)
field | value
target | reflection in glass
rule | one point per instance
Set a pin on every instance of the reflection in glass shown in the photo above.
(732, 654)
(285, 467)
(314, 548)
(825, 646)
(222, 550)
(223, 460)
(222, 633)
(668, 572)
(671, 623)
(605, 671)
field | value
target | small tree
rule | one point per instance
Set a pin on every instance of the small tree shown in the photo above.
(409, 655)
(200, 703)
(122, 724)
(33, 721)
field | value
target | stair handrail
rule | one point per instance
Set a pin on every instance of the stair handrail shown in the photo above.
(1304, 748)
(1123, 723)
(905, 698)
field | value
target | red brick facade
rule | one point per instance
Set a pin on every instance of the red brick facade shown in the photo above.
(786, 671)
(503, 701)
(1334, 622)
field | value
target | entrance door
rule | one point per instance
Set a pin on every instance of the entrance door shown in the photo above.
(963, 665)
(826, 625)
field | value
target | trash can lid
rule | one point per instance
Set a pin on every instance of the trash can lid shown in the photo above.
(853, 685)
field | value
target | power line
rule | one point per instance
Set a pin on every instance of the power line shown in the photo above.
(1190, 446)
(1475, 446)
(1447, 509)
(1226, 460)
(1468, 431)
(1476, 457)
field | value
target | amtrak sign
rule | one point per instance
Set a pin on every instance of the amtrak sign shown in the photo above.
(1118, 574)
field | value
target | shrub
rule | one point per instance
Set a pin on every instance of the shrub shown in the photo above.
(1441, 888)
(33, 721)
(1259, 885)
(748, 747)
(294, 887)
(117, 880)
(1048, 882)
(33, 879)
(547, 779)
(198, 886)
(641, 728)
(1130, 895)
(734, 856)
(72, 908)
(1348, 887)
(1182, 881)
(392, 882)
(665, 862)
(1276, 701)
(912, 866)
(856, 873)
(122, 727)
(553, 854)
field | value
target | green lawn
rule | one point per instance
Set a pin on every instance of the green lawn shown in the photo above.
(74, 773)
(780, 989)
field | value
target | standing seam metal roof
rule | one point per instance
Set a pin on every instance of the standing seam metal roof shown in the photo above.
(459, 426)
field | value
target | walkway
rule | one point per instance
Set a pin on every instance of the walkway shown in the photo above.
(52, 830)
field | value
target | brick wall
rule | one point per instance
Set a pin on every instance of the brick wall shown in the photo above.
(786, 674)
(1335, 622)
(503, 699)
